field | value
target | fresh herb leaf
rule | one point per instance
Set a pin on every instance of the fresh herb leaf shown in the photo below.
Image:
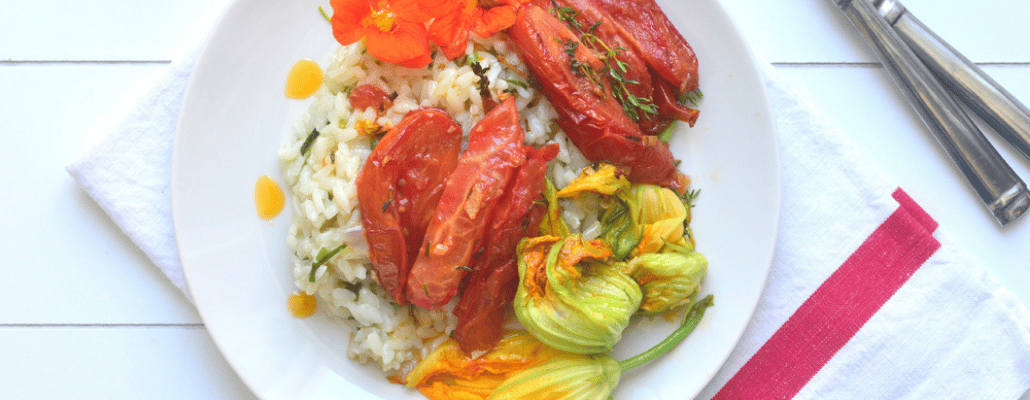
(388, 201)
(324, 14)
(323, 256)
(308, 142)
(518, 83)
(692, 97)
(463, 268)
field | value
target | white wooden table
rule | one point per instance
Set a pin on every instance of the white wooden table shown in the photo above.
(84, 314)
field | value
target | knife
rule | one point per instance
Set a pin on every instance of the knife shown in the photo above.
(1000, 189)
(996, 106)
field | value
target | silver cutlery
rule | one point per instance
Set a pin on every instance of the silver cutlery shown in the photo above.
(1001, 190)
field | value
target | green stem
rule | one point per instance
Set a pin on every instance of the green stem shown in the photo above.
(690, 321)
(323, 258)
(666, 135)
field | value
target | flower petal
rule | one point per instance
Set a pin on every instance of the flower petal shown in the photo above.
(407, 41)
(451, 32)
(411, 10)
(494, 20)
(346, 19)
(440, 8)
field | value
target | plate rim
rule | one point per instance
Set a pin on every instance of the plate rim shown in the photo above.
(756, 66)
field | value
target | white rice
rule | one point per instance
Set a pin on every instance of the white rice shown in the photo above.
(322, 182)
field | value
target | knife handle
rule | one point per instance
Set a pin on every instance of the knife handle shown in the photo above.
(996, 106)
(1001, 190)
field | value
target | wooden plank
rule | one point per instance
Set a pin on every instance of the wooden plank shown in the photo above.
(100, 29)
(115, 363)
(814, 31)
(65, 261)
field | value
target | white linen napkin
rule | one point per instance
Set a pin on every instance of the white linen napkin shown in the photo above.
(829, 325)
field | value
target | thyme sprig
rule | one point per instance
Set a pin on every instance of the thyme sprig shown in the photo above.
(634, 106)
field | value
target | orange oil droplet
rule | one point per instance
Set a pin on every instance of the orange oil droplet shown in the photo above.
(301, 305)
(304, 79)
(268, 198)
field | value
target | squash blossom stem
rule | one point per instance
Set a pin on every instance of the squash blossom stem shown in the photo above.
(690, 321)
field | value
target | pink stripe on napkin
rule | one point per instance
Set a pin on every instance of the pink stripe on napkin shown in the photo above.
(832, 315)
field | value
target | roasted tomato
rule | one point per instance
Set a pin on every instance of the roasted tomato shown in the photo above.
(656, 39)
(399, 187)
(593, 120)
(455, 233)
(495, 272)
(365, 96)
(637, 50)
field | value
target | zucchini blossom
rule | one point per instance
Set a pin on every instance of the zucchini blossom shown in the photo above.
(661, 214)
(552, 222)
(449, 373)
(640, 219)
(570, 296)
(590, 377)
(667, 279)
(607, 179)
(585, 377)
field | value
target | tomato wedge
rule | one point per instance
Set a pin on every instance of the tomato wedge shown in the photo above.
(455, 232)
(398, 189)
(593, 121)
(495, 274)
(656, 39)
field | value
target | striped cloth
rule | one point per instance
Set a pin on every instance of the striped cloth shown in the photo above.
(865, 298)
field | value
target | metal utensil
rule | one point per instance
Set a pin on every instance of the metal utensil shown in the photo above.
(1001, 190)
(995, 105)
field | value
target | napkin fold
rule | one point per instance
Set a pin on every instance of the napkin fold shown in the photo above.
(865, 298)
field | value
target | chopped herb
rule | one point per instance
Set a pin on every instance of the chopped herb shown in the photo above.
(324, 14)
(332, 157)
(473, 58)
(308, 142)
(635, 107)
(428, 245)
(689, 197)
(425, 289)
(388, 202)
(373, 141)
(484, 81)
(323, 256)
(692, 97)
(518, 83)
(478, 253)
(463, 268)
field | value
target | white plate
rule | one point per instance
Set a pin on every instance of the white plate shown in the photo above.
(234, 118)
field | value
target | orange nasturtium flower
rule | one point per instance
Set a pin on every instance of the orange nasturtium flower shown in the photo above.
(450, 29)
(394, 31)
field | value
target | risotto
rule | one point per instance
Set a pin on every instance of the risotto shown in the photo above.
(330, 144)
